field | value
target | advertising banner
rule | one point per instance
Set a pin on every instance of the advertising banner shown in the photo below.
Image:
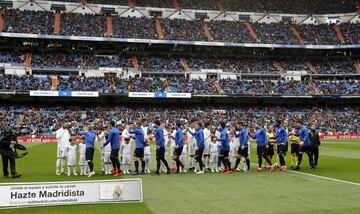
(158, 95)
(64, 93)
(70, 193)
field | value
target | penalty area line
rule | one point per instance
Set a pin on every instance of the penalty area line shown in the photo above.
(322, 177)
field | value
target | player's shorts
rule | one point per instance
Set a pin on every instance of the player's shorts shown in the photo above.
(126, 159)
(139, 153)
(61, 152)
(282, 149)
(261, 151)
(214, 157)
(199, 153)
(243, 152)
(295, 148)
(147, 157)
(89, 154)
(160, 153)
(192, 149)
(178, 151)
(207, 149)
(270, 150)
(106, 157)
(224, 153)
(71, 160)
(305, 149)
(82, 160)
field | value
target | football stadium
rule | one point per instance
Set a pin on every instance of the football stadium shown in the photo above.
(180, 106)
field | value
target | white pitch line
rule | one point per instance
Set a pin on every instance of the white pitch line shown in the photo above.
(323, 177)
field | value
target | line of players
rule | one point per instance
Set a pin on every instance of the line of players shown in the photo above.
(207, 147)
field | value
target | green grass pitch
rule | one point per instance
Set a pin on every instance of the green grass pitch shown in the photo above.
(218, 193)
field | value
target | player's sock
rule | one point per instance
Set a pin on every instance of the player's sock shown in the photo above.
(62, 165)
(69, 171)
(74, 170)
(237, 163)
(282, 160)
(136, 166)
(143, 166)
(260, 161)
(248, 164)
(91, 166)
(58, 163)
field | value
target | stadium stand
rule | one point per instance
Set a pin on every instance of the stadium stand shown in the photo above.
(41, 120)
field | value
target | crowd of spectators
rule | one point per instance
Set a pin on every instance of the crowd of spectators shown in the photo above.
(260, 6)
(229, 31)
(156, 64)
(275, 33)
(322, 34)
(110, 84)
(177, 29)
(174, 64)
(34, 22)
(75, 24)
(42, 121)
(132, 27)
(351, 33)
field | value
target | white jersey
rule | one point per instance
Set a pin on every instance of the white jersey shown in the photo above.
(126, 149)
(207, 141)
(102, 137)
(63, 138)
(183, 155)
(173, 134)
(191, 141)
(125, 134)
(82, 149)
(214, 147)
(145, 129)
(166, 137)
(147, 150)
(72, 155)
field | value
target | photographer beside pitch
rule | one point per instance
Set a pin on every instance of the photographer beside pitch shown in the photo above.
(8, 155)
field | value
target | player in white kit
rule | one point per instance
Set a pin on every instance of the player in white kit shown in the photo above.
(126, 156)
(183, 158)
(207, 142)
(82, 160)
(214, 156)
(71, 159)
(172, 148)
(147, 157)
(63, 138)
(192, 147)
(106, 165)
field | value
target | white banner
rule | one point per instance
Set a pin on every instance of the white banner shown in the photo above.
(44, 93)
(142, 94)
(70, 193)
(85, 94)
(178, 95)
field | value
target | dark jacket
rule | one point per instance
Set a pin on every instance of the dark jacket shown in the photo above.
(314, 138)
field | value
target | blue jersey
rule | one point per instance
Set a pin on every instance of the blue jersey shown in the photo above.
(199, 136)
(304, 136)
(159, 137)
(89, 138)
(281, 136)
(113, 138)
(260, 137)
(139, 137)
(224, 140)
(179, 140)
(243, 140)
